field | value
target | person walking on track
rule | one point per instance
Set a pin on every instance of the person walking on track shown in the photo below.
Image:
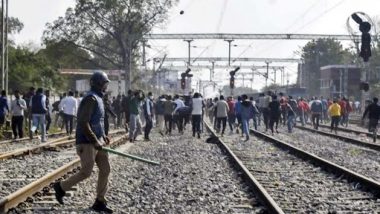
(373, 111)
(69, 106)
(221, 114)
(196, 114)
(148, 114)
(274, 113)
(245, 112)
(39, 110)
(335, 111)
(4, 108)
(89, 137)
(18, 106)
(316, 112)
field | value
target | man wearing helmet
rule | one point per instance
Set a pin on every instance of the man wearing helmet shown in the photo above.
(89, 135)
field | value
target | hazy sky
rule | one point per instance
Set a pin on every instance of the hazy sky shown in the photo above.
(221, 16)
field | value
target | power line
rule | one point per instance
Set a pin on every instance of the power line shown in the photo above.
(320, 15)
(308, 23)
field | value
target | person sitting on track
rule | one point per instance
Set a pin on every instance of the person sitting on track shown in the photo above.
(373, 111)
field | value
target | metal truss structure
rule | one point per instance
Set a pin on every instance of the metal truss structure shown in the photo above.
(227, 36)
(224, 59)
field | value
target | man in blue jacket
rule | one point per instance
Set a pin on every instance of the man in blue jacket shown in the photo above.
(39, 109)
(89, 136)
(316, 112)
(4, 108)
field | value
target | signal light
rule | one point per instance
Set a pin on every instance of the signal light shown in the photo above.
(232, 82)
(364, 86)
(364, 27)
(183, 83)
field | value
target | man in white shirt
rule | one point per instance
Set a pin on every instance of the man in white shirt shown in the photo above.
(17, 109)
(197, 110)
(69, 106)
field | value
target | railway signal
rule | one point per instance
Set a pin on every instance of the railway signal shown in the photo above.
(183, 78)
(232, 78)
(364, 27)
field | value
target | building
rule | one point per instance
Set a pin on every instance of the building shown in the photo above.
(340, 80)
(81, 83)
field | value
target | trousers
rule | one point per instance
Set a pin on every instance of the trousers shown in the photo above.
(88, 157)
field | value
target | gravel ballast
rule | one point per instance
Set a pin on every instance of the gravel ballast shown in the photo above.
(357, 158)
(194, 177)
(297, 185)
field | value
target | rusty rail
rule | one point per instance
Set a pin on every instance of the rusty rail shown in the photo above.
(19, 196)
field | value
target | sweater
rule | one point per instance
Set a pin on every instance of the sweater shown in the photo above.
(334, 109)
(221, 109)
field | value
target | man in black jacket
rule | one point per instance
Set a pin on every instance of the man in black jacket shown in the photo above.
(373, 111)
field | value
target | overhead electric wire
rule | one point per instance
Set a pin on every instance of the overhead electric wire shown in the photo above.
(219, 24)
(302, 15)
(273, 44)
(320, 15)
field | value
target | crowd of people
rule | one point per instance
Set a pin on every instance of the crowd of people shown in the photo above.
(138, 113)
(273, 109)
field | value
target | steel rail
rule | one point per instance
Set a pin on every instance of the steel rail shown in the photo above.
(26, 138)
(357, 142)
(47, 146)
(260, 192)
(336, 169)
(369, 134)
(20, 195)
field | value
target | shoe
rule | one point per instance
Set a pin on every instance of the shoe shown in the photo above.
(193, 134)
(100, 206)
(199, 136)
(59, 193)
(247, 138)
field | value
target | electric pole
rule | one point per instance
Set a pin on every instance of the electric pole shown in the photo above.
(229, 50)
(189, 47)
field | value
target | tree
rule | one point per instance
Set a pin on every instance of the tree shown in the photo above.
(32, 69)
(110, 30)
(15, 25)
(318, 53)
(64, 54)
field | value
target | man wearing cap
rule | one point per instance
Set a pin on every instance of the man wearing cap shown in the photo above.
(89, 137)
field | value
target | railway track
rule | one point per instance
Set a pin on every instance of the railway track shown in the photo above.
(298, 181)
(9, 145)
(30, 178)
(358, 158)
(349, 139)
(32, 148)
(357, 131)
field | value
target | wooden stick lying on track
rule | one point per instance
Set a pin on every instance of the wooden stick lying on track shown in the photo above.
(130, 156)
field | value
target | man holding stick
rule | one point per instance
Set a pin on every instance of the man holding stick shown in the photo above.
(89, 135)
